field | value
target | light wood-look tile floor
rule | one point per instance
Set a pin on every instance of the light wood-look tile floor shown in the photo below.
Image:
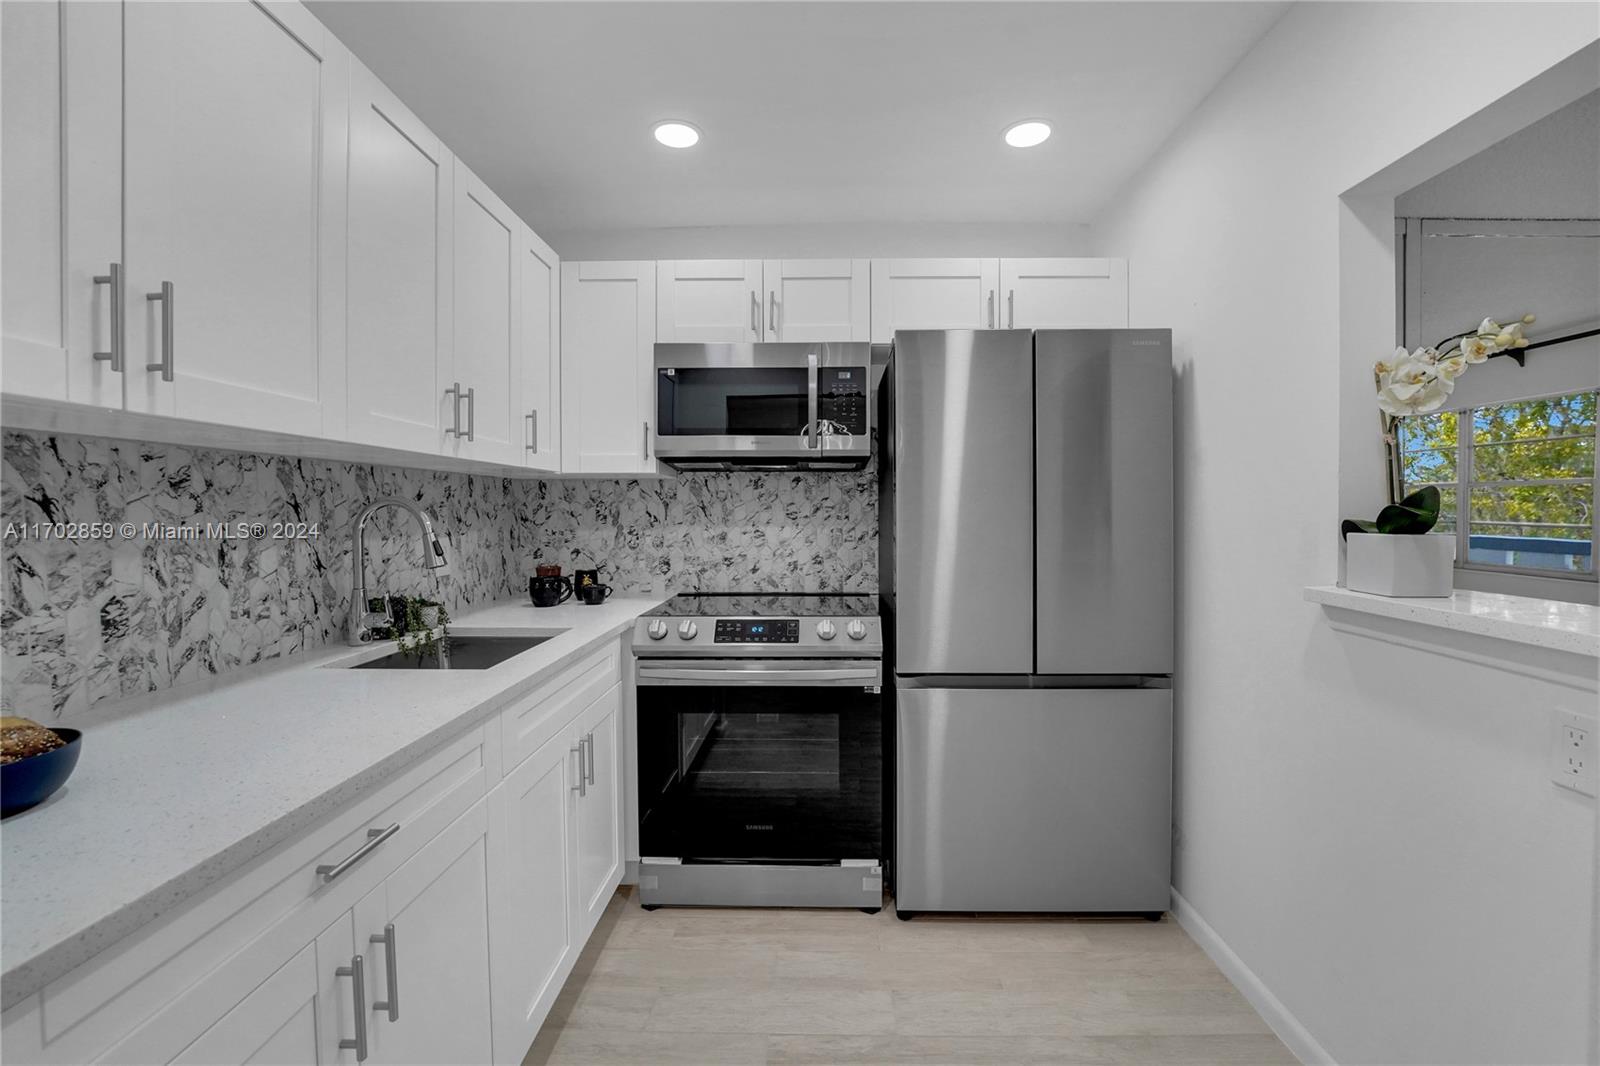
(818, 986)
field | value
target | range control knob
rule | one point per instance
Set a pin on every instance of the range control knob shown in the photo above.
(687, 629)
(657, 630)
(826, 629)
(857, 629)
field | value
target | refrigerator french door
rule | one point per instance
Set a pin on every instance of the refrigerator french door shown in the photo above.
(1027, 561)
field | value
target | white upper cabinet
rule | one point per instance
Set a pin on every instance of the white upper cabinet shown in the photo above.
(1065, 293)
(608, 319)
(709, 300)
(235, 137)
(398, 299)
(817, 299)
(933, 294)
(61, 109)
(541, 349)
(488, 327)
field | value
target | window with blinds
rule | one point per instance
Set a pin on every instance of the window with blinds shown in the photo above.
(1516, 481)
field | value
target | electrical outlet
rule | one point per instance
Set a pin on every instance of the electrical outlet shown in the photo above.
(1572, 754)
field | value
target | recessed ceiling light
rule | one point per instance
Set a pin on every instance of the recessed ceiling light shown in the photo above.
(1027, 134)
(677, 134)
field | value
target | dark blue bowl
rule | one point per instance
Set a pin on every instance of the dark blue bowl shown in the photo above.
(33, 780)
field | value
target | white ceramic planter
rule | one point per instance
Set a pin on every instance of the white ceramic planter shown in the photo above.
(1397, 564)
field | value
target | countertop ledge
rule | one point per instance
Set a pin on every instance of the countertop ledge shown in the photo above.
(246, 764)
(1554, 624)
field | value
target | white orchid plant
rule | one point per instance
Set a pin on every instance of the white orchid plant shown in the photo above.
(1419, 382)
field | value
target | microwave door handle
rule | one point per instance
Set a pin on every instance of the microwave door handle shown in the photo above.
(811, 401)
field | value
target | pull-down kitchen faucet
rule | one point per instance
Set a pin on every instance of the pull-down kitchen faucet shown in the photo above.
(358, 630)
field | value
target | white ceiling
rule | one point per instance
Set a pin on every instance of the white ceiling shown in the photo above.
(813, 113)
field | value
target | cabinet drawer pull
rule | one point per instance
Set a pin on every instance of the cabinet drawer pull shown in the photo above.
(580, 788)
(391, 967)
(533, 431)
(590, 774)
(357, 972)
(375, 838)
(165, 296)
(114, 280)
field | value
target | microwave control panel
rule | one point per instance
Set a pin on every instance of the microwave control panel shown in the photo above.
(758, 631)
(842, 396)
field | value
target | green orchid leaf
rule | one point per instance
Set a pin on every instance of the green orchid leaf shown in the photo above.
(1416, 514)
(1356, 525)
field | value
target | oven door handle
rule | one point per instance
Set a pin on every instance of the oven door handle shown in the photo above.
(739, 674)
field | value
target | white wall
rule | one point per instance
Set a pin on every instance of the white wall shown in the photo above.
(844, 240)
(1368, 826)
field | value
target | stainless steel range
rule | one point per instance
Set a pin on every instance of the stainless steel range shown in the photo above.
(761, 767)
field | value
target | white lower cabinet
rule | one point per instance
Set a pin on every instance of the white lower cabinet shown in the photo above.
(557, 838)
(424, 938)
(599, 846)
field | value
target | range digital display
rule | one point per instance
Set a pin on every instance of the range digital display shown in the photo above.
(757, 631)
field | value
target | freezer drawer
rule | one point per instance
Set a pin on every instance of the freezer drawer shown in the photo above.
(1033, 799)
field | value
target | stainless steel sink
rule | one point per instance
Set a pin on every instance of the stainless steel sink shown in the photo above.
(459, 653)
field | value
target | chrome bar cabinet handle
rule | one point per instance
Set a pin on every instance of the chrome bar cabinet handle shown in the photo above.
(755, 313)
(991, 309)
(165, 296)
(472, 413)
(454, 392)
(581, 788)
(647, 442)
(533, 431)
(391, 966)
(375, 839)
(113, 279)
(1011, 309)
(590, 739)
(357, 972)
(772, 316)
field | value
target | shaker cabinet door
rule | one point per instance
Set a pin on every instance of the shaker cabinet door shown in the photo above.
(599, 858)
(438, 905)
(1065, 293)
(817, 299)
(397, 308)
(541, 353)
(235, 134)
(708, 301)
(531, 891)
(608, 333)
(488, 325)
(933, 294)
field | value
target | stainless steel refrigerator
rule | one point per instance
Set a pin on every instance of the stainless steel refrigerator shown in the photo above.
(1026, 513)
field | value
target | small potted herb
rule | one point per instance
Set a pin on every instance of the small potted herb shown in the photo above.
(424, 628)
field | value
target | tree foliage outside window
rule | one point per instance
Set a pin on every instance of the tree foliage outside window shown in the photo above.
(1525, 473)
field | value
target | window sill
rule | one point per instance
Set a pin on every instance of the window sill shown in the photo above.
(1553, 624)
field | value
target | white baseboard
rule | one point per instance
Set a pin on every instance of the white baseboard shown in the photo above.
(1295, 1036)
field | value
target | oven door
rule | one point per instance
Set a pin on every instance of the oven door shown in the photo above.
(760, 761)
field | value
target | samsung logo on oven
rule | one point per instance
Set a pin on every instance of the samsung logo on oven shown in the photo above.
(766, 828)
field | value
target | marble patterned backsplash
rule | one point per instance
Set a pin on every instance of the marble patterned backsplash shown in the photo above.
(98, 618)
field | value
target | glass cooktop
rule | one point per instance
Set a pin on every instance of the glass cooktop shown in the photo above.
(769, 604)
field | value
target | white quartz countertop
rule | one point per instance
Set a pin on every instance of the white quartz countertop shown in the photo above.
(176, 791)
(1556, 624)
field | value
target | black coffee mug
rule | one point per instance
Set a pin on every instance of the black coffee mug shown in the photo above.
(594, 595)
(549, 591)
(581, 578)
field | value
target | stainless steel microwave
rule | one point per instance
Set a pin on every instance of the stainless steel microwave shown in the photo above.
(785, 406)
